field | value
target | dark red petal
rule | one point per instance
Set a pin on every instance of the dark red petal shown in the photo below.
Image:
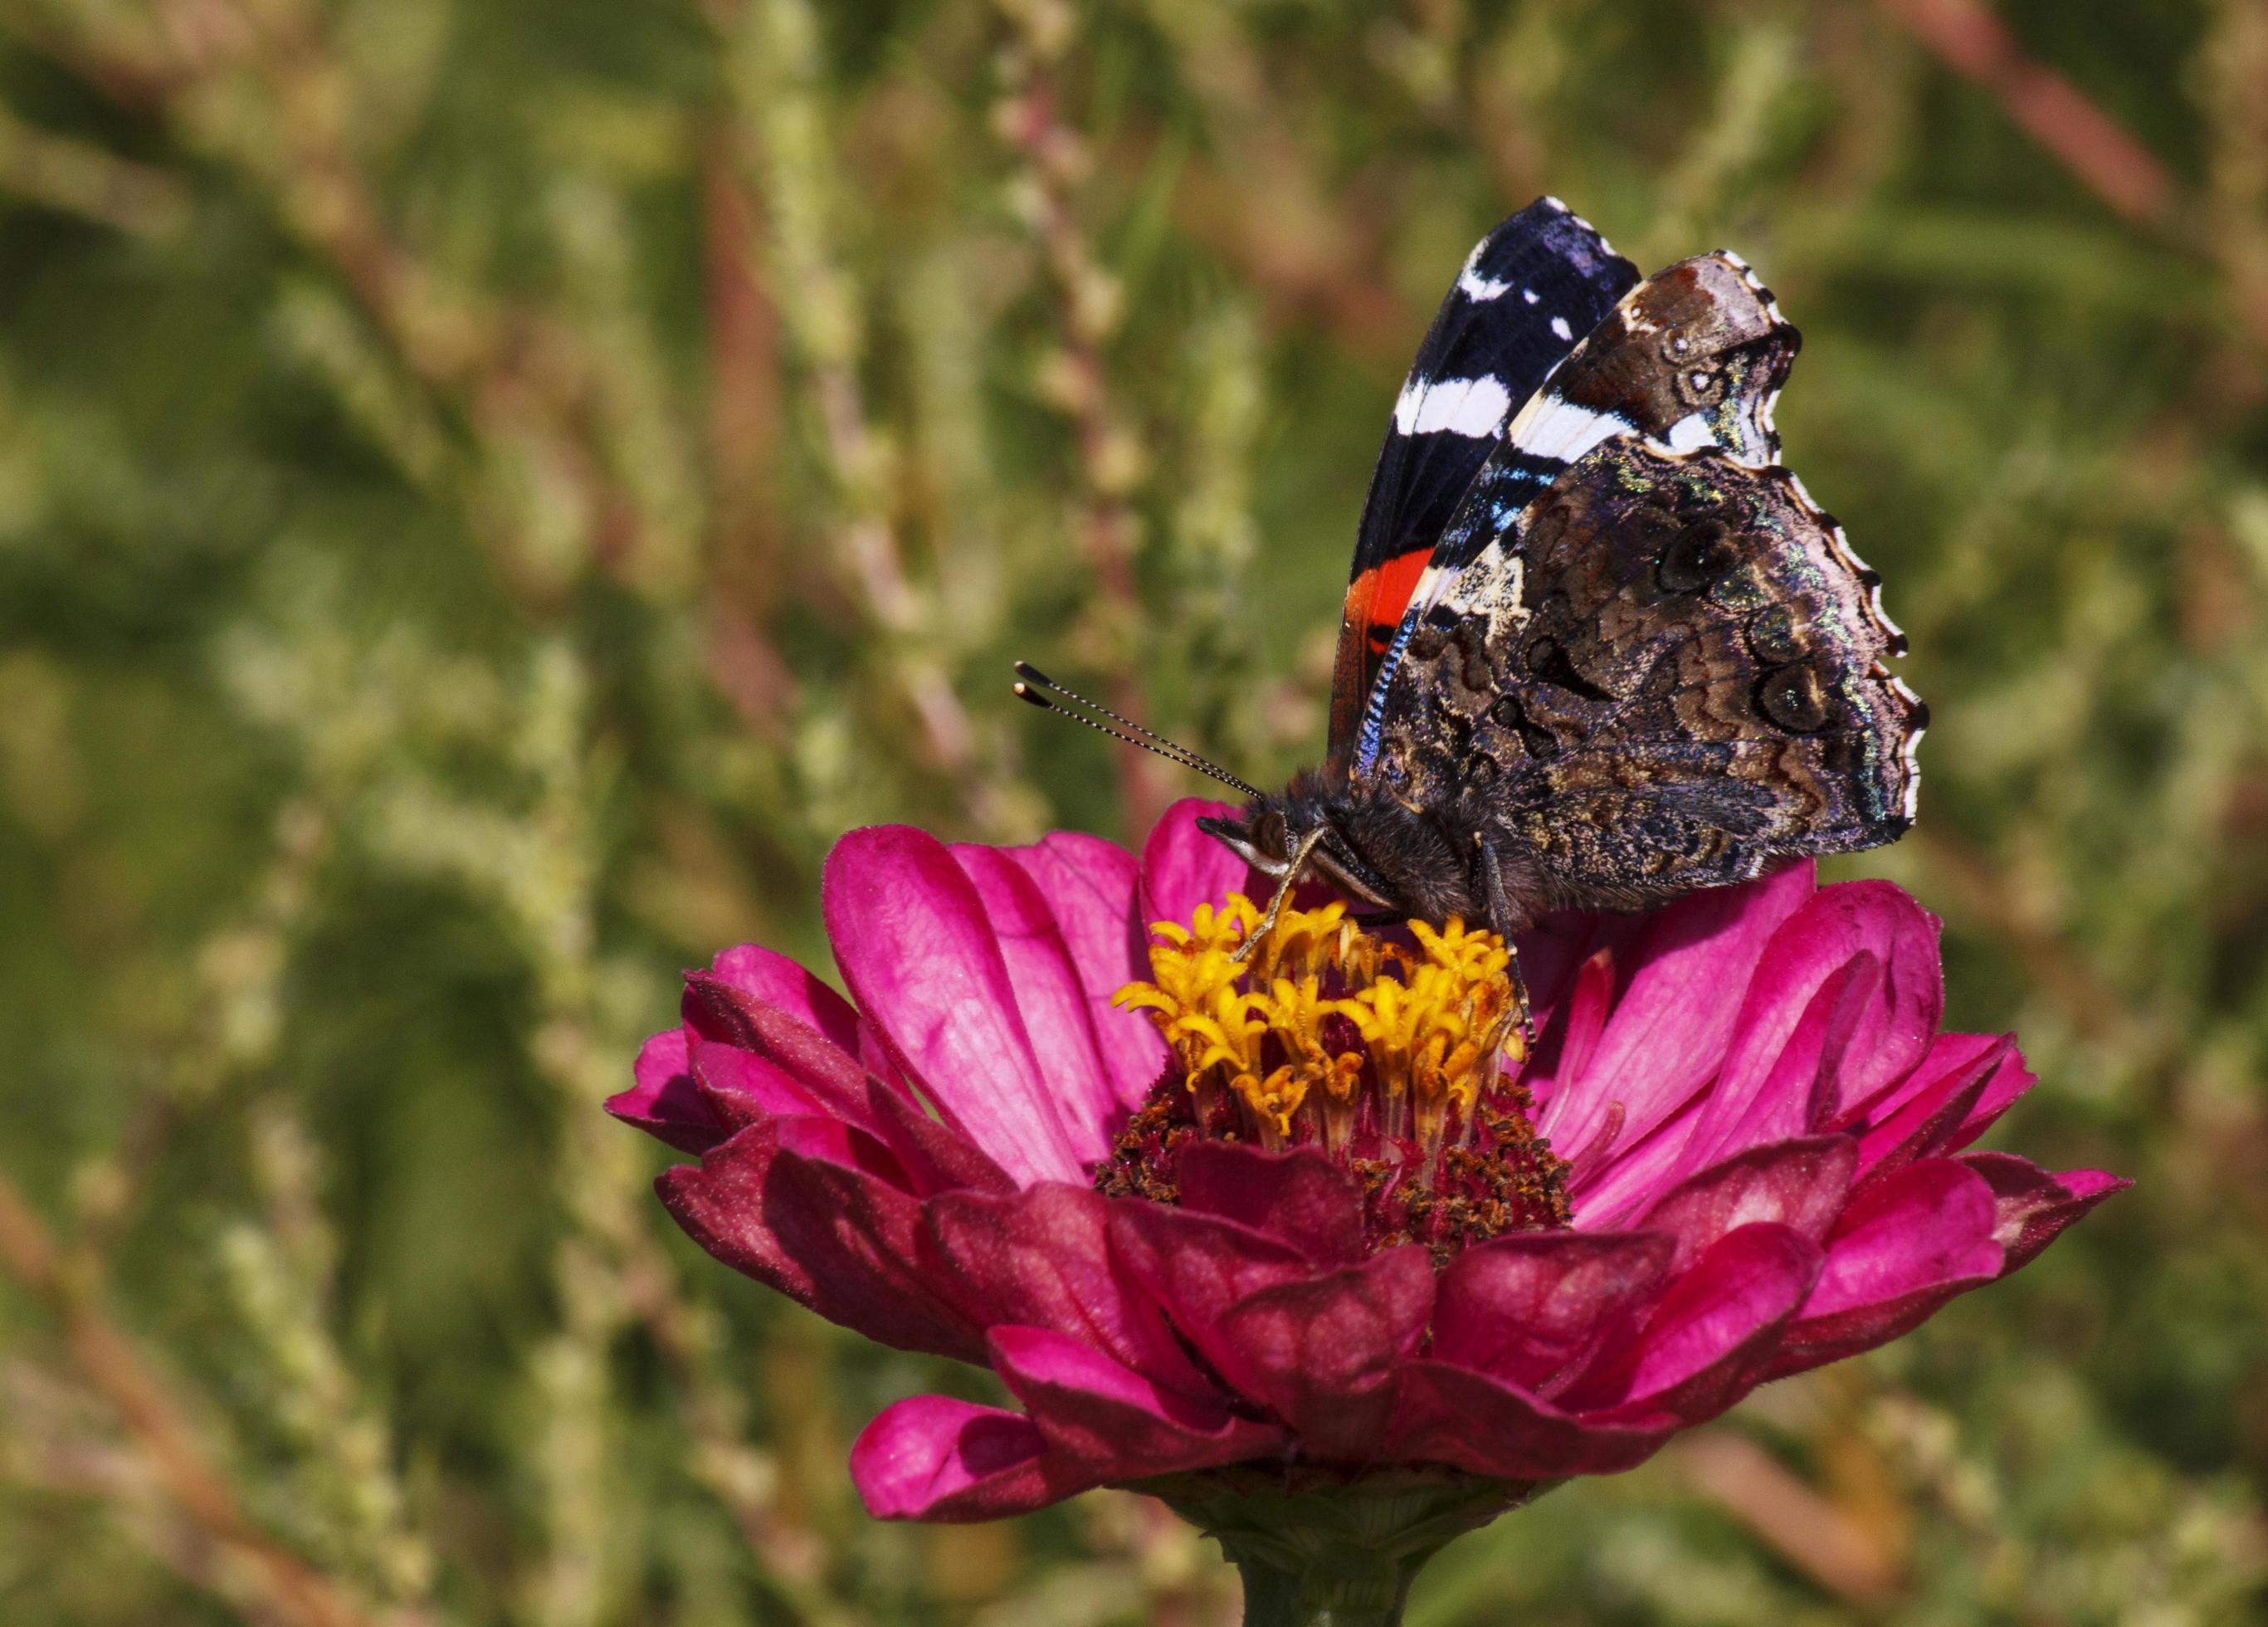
(719, 1013)
(666, 1103)
(829, 1236)
(1297, 1197)
(1042, 1258)
(1114, 1423)
(1321, 1353)
(2033, 1206)
(930, 1457)
(1798, 1184)
(1451, 1415)
(1528, 1307)
(936, 1158)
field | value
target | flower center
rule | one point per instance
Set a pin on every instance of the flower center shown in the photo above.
(1386, 1056)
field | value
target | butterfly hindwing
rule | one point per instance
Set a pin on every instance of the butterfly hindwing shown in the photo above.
(1669, 675)
(1525, 296)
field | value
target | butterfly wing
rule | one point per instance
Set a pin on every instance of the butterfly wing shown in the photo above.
(1694, 356)
(1528, 292)
(1667, 673)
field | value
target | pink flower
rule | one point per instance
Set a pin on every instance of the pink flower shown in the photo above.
(1759, 1132)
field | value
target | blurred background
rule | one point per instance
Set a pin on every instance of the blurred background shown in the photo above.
(490, 489)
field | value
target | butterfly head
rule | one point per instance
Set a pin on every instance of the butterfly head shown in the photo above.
(1389, 858)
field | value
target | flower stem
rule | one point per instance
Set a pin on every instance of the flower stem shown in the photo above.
(1317, 1550)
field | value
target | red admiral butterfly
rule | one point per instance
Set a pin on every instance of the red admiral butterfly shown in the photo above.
(1599, 647)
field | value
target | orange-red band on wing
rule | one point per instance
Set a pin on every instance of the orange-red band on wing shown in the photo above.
(1376, 602)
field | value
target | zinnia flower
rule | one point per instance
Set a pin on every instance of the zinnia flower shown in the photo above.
(1287, 1214)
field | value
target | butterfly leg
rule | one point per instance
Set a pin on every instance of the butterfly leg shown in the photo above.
(1291, 879)
(1503, 912)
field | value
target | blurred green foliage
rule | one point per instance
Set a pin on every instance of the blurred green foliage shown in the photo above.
(488, 489)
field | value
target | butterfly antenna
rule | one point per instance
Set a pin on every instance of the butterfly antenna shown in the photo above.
(1032, 687)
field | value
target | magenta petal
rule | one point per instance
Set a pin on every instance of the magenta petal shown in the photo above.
(930, 1457)
(740, 1087)
(1450, 1414)
(912, 938)
(760, 974)
(1846, 998)
(1297, 1197)
(2000, 1093)
(1909, 1243)
(1092, 887)
(666, 1103)
(1183, 867)
(1527, 1307)
(1042, 1258)
(1059, 1018)
(1713, 1332)
(829, 1235)
(1798, 1184)
(1115, 1424)
(2033, 1206)
(1321, 1353)
(1923, 1116)
(1675, 1013)
(1569, 1036)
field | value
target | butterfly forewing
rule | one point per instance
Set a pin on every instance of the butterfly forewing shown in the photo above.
(1526, 295)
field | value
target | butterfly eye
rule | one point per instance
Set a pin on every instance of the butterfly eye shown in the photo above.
(1704, 551)
(1795, 698)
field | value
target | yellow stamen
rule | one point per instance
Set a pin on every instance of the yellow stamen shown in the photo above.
(1320, 1009)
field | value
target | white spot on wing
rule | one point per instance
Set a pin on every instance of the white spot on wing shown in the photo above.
(1559, 326)
(1473, 407)
(1689, 433)
(1529, 294)
(1474, 285)
(1549, 426)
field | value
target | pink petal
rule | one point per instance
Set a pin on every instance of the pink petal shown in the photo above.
(740, 1087)
(914, 943)
(1297, 1197)
(1115, 1424)
(2001, 1092)
(760, 974)
(1529, 1306)
(1675, 1017)
(1568, 1037)
(829, 1235)
(665, 1102)
(1042, 1258)
(1183, 867)
(1798, 1184)
(1058, 1013)
(1092, 886)
(1321, 1353)
(1846, 998)
(1451, 1415)
(2033, 1206)
(1923, 1115)
(1909, 1243)
(930, 1457)
(1713, 1332)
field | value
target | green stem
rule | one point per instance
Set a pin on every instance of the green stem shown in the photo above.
(1320, 1549)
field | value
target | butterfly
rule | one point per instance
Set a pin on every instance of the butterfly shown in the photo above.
(1598, 648)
